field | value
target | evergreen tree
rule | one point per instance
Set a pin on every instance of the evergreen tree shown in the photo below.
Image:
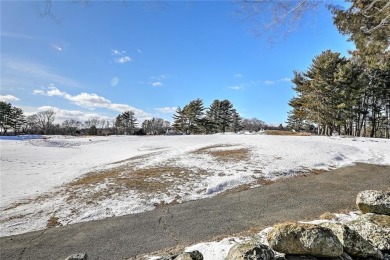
(236, 124)
(366, 22)
(179, 121)
(225, 115)
(6, 120)
(18, 119)
(126, 122)
(194, 114)
(189, 120)
(213, 116)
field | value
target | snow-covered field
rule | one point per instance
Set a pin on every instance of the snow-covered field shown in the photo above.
(61, 180)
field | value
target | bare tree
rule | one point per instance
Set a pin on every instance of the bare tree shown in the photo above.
(275, 18)
(45, 120)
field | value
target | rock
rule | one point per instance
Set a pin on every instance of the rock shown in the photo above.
(250, 250)
(374, 228)
(354, 244)
(344, 256)
(171, 257)
(373, 201)
(78, 256)
(194, 255)
(300, 257)
(304, 239)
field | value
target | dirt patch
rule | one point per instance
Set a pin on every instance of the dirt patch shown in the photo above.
(99, 185)
(280, 132)
(53, 222)
(220, 153)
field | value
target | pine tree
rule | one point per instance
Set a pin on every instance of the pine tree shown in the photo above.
(126, 122)
(179, 121)
(366, 22)
(212, 116)
(6, 120)
(190, 119)
(236, 124)
(225, 115)
(18, 119)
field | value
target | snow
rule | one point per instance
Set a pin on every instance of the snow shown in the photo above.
(218, 250)
(36, 172)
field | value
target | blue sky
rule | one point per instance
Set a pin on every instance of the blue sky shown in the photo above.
(107, 57)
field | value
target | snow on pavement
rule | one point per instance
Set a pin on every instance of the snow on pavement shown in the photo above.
(35, 173)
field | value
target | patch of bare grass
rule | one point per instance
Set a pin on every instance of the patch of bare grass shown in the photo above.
(53, 222)
(99, 185)
(97, 177)
(225, 155)
(280, 132)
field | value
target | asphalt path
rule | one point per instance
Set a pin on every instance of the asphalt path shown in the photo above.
(131, 235)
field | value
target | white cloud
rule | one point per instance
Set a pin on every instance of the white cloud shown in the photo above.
(160, 77)
(157, 84)
(91, 101)
(121, 56)
(238, 75)
(52, 92)
(123, 59)
(139, 51)
(238, 87)
(117, 52)
(166, 110)
(88, 100)
(285, 79)
(38, 92)
(269, 82)
(56, 47)
(7, 98)
(17, 35)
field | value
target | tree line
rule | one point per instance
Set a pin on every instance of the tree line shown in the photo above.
(192, 119)
(14, 122)
(350, 96)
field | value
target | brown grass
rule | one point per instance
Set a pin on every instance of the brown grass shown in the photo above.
(280, 132)
(53, 222)
(124, 178)
(328, 216)
(240, 154)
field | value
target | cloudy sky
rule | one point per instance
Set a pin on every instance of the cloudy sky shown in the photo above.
(102, 58)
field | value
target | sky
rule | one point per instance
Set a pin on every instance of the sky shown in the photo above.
(102, 58)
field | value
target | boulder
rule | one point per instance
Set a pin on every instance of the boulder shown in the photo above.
(374, 228)
(354, 244)
(344, 256)
(374, 201)
(250, 250)
(304, 239)
(300, 257)
(78, 256)
(194, 255)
